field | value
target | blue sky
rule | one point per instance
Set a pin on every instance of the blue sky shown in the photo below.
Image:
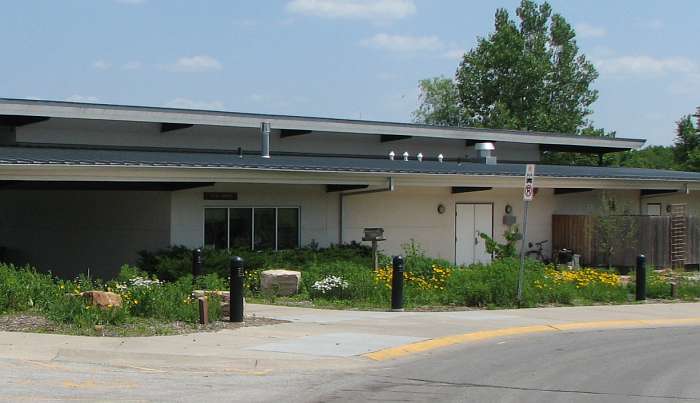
(353, 59)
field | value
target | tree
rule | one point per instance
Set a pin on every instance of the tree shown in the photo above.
(686, 149)
(652, 157)
(439, 103)
(526, 76)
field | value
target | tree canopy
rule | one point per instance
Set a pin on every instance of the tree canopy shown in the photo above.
(527, 75)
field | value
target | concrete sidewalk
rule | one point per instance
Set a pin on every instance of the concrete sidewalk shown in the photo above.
(313, 338)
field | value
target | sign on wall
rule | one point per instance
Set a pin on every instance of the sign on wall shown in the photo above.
(529, 191)
(220, 196)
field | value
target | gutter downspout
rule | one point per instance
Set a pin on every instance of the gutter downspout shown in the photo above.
(389, 188)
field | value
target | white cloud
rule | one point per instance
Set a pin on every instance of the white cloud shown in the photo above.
(195, 64)
(101, 65)
(132, 65)
(82, 98)
(404, 43)
(646, 65)
(376, 10)
(584, 30)
(186, 103)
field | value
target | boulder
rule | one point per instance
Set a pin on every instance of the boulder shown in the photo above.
(103, 299)
(280, 282)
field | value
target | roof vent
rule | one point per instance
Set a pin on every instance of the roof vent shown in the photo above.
(265, 139)
(483, 153)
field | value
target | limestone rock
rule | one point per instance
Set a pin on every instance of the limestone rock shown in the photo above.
(103, 299)
(280, 282)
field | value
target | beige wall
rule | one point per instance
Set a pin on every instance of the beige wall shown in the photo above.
(68, 232)
(111, 133)
(404, 214)
(318, 210)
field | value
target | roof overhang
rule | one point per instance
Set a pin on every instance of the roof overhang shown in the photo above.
(238, 175)
(298, 124)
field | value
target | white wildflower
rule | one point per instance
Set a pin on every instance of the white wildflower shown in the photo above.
(329, 284)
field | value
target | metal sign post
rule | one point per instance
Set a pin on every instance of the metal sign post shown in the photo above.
(528, 194)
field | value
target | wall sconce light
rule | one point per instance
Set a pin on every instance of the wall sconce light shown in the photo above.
(509, 209)
(441, 208)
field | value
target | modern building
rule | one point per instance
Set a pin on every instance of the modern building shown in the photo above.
(88, 185)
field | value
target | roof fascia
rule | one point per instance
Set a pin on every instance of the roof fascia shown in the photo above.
(70, 110)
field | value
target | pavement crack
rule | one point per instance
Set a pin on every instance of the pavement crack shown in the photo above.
(572, 391)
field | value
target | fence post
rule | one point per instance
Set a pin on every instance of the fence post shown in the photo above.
(397, 284)
(641, 278)
(237, 275)
(196, 263)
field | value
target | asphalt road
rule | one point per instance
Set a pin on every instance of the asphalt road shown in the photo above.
(640, 365)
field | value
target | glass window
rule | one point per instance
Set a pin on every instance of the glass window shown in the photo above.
(287, 228)
(215, 227)
(257, 228)
(264, 232)
(241, 227)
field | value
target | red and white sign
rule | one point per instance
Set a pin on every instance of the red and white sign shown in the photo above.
(529, 191)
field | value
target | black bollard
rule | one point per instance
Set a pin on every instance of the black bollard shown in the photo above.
(196, 264)
(641, 278)
(397, 284)
(236, 289)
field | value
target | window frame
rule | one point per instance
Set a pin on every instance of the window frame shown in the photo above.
(252, 223)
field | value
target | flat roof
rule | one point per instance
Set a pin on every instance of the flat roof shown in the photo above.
(76, 110)
(49, 156)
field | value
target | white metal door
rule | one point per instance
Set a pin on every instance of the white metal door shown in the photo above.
(470, 220)
(483, 223)
(464, 234)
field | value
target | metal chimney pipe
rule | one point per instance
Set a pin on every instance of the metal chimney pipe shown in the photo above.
(265, 139)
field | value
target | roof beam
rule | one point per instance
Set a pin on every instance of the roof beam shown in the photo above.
(564, 191)
(385, 138)
(650, 192)
(342, 188)
(572, 148)
(284, 133)
(169, 127)
(467, 189)
(20, 120)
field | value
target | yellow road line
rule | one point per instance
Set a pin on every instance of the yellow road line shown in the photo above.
(432, 344)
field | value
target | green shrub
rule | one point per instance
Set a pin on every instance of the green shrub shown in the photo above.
(175, 262)
(416, 261)
(22, 288)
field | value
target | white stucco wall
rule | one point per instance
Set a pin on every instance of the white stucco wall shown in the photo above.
(407, 213)
(70, 231)
(112, 133)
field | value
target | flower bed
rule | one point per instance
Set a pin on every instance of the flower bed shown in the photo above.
(143, 300)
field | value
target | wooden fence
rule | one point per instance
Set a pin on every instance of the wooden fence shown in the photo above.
(651, 237)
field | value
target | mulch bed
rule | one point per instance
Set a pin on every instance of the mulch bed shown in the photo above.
(33, 323)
